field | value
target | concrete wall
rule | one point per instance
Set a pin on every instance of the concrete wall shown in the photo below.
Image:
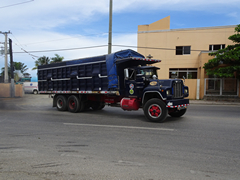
(198, 39)
(203, 58)
(192, 86)
(160, 24)
(5, 89)
(19, 92)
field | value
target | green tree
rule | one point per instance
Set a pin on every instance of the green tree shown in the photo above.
(41, 61)
(3, 70)
(46, 60)
(20, 66)
(56, 59)
(17, 66)
(226, 62)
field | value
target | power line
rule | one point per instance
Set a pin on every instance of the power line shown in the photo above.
(69, 49)
(90, 47)
(16, 4)
(64, 38)
(97, 34)
(33, 56)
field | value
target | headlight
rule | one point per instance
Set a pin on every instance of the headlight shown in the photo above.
(185, 91)
(168, 92)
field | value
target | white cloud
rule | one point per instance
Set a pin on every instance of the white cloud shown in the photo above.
(37, 21)
(177, 5)
(234, 14)
(42, 14)
(62, 41)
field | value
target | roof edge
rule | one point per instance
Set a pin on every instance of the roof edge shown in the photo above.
(189, 29)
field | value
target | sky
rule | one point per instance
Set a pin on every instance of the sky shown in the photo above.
(39, 26)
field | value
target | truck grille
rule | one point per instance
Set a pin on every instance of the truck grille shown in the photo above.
(177, 89)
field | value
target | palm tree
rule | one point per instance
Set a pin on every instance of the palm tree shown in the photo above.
(46, 60)
(41, 61)
(56, 59)
(20, 66)
(3, 71)
(17, 66)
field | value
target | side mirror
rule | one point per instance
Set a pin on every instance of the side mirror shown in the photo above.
(126, 74)
(184, 79)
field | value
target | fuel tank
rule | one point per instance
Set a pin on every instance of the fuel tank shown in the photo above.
(129, 104)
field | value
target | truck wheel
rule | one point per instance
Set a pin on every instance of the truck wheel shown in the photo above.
(178, 113)
(73, 104)
(61, 103)
(155, 110)
(101, 106)
(35, 92)
(97, 105)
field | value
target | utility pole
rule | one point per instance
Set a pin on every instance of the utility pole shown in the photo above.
(11, 58)
(12, 92)
(6, 57)
(110, 28)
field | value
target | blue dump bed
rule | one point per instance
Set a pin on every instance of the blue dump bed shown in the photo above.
(101, 73)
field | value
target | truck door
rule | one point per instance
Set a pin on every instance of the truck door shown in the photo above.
(133, 83)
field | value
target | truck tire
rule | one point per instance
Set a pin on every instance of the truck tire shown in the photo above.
(101, 106)
(178, 113)
(74, 104)
(97, 106)
(155, 110)
(35, 92)
(61, 103)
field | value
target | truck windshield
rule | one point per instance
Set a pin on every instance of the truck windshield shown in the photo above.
(148, 72)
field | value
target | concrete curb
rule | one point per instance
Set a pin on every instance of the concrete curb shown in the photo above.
(205, 102)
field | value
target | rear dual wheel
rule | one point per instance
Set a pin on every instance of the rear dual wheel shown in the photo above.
(61, 103)
(74, 104)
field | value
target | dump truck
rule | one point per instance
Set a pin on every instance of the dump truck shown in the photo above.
(123, 79)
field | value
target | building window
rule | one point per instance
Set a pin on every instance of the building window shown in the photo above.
(216, 47)
(181, 50)
(187, 73)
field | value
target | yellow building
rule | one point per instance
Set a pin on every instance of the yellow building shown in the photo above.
(183, 53)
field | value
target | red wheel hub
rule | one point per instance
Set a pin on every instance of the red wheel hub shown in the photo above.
(72, 104)
(154, 111)
(60, 103)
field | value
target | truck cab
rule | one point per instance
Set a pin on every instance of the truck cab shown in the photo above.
(167, 94)
(145, 78)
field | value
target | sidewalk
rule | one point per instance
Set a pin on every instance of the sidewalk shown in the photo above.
(208, 102)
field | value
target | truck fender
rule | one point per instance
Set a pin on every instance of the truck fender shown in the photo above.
(151, 94)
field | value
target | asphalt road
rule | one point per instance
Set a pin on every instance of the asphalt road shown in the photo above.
(37, 142)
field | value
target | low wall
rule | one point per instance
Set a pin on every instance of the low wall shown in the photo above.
(192, 86)
(19, 92)
(5, 90)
